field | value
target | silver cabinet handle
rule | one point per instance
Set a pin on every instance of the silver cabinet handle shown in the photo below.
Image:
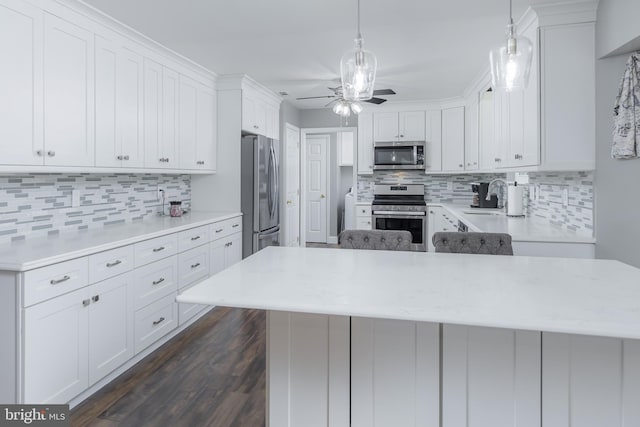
(230, 243)
(161, 248)
(119, 157)
(56, 281)
(460, 165)
(86, 302)
(157, 282)
(95, 298)
(401, 136)
(195, 238)
(39, 153)
(166, 159)
(196, 265)
(219, 231)
(51, 153)
(236, 225)
(157, 322)
(200, 162)
(256, 127)
(126, 157)
(114, 263)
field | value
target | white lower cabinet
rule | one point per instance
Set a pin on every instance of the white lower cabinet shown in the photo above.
(364, 218)
(490, 377)
(155, 321)
(56, 354)
(225, 252)
(395, 373)
(74, 340)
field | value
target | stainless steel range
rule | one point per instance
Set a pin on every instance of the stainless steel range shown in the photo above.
(401, 207)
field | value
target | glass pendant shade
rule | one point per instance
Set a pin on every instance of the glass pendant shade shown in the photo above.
(358, 72)
(511, 62)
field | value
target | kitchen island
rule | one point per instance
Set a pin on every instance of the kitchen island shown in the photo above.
(404, 338)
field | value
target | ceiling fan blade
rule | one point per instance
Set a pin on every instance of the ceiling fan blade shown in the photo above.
(376, 101)
(384, 92)
(331, 102)
(316, 97)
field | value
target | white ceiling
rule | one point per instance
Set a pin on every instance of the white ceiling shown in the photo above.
(426, 49)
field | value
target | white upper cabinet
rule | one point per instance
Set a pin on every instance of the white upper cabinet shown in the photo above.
(433, 147)
(486, 130)
(365, 144)
(453, 139)
(260, 116)
(471, 137)
(21, 108)
(68, 93)
(197, 130)
(403, 126)
(119, 105)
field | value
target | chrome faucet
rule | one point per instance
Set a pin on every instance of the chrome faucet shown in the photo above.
(501, 195)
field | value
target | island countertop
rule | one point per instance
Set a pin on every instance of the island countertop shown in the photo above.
(577, 296)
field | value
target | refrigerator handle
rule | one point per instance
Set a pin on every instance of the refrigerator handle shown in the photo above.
(269, 184)
(276, 180)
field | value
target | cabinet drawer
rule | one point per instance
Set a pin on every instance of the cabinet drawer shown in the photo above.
(193, 265)
(363, 210)
(155, 281)
(155, 321)
(363, 223)
(225, 228)
(155, 249)
(186, 312)
(190, 239)
(47, 282)
(110, 263)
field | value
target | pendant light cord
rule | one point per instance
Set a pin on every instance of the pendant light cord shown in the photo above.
(510, 12)
(359, 35)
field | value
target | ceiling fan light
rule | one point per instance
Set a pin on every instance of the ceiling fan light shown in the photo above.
(337, 108)
(356, 108)
(358, 73)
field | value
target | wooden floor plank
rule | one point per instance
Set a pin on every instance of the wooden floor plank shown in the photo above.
(212, 374)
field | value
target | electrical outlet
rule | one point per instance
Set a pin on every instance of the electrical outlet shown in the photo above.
(565, 197)
(75, 198)
(160, 192)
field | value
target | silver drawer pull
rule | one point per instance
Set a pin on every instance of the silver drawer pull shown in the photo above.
(86, 302)
(219, 231)
(95, 298)
(196, 265)
(157, 282)
(157, 322)
(230, 243)
(161, 248)
(114, 263)
(56, 281)
(236, 225)
(195, 238)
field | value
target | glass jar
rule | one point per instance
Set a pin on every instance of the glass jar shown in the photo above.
(175, 209)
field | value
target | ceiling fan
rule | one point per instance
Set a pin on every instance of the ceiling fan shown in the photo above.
(338, 96)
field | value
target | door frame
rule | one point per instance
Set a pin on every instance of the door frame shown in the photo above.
(283, 178)
(304, 132)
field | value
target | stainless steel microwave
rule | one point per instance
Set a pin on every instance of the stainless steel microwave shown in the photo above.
(398, 155)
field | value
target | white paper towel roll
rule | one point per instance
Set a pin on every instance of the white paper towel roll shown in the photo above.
(514, 201)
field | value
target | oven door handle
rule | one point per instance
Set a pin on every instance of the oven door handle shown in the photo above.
(395, 214)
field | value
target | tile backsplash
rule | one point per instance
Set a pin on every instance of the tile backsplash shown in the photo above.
(34, 205)
(575, 215)
(437, 188)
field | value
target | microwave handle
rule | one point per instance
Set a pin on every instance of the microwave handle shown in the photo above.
(415, 154)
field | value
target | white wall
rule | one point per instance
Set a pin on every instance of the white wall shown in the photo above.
(325, 118)
(618, 27)
(616, 199)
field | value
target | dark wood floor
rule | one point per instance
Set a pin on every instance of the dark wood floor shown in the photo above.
(212, 374)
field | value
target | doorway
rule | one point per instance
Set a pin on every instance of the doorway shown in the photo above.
(291, 169)
(327, 175)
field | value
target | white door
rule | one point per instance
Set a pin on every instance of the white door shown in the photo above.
(433, 148)
(110, 325)
(233, 252)
(188, 107)
(217, 253)
(130, 112)
(206, 129)
(365, 144)
(68, 94)
(316, 191)
(471, 141)
(412, 126)
(487, 129)
(385, 127)
(292, 186)
(169, 128)
(20, 79)
(153, 156)
(108, 143)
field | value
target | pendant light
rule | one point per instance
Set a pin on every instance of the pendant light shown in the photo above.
(358, 70)
(511, 61)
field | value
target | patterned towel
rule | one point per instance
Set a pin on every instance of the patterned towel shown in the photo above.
(626, 132)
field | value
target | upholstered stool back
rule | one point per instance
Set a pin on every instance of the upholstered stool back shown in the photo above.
(383, 240)
(473, 243)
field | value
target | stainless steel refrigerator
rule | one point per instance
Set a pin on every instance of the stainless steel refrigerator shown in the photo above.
(260, 193)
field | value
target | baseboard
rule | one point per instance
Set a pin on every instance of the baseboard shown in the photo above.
(332, 240)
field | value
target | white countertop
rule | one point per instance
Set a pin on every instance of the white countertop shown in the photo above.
(521, 229)
(38, 252)
(581, 296)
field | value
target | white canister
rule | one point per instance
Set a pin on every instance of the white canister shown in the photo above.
(515, 203)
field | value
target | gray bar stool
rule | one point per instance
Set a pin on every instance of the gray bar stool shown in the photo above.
(383, 240)
(473, 243)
